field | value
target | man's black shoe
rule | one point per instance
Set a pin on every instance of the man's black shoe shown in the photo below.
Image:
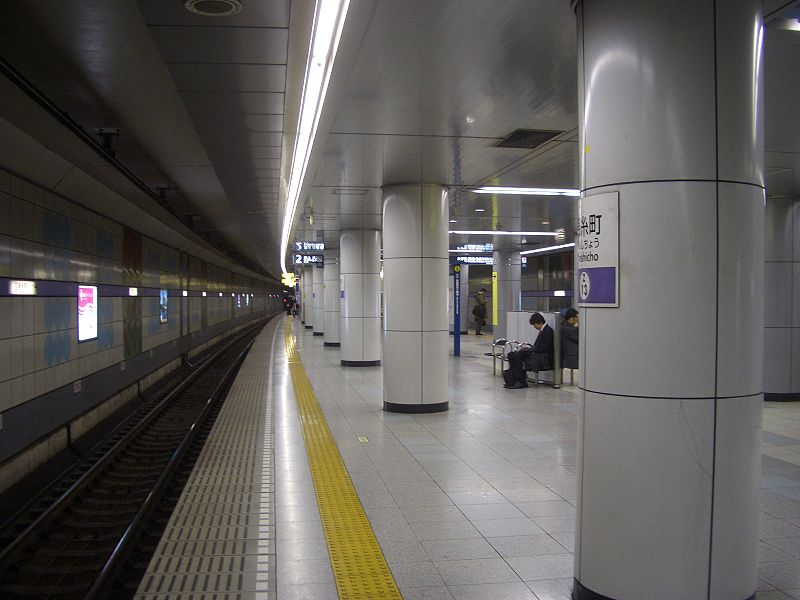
(519, 386)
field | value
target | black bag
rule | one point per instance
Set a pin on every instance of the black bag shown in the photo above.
(508, 377)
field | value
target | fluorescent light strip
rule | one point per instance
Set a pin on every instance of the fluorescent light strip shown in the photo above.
(467, 232)
(468, 251)
(537, 250)
(522, 191)
(329, 17)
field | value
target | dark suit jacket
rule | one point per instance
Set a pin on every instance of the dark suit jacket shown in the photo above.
(569, 346)
(541, 355)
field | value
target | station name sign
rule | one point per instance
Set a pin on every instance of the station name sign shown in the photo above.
(597, 251)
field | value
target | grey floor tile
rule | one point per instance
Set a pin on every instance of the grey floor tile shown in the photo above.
(789, 545)
(483, 570)
(552, 508)
(300, 549)
(526, 545)
(426, 593)
(309, 591)
(477, 497)
(552, 589)
(418, 514)
(493, 591)
(404, 551)
(452, 530)
(559, 524)
(507, 527)
(304, 571)
(459, 549)
(478, 512)
(416, 574)
(546, 566)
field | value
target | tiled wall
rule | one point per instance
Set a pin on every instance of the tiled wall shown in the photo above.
(44, 236)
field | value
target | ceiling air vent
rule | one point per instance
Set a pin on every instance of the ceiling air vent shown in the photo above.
(213, 8)
(527, 138)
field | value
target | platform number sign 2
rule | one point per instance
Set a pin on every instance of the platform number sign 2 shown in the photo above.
(597, 251)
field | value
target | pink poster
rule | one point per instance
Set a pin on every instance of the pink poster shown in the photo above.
(87, 312)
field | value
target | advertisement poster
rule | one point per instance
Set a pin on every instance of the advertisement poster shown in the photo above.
(597, 251)
(87, 312)
(163, 302)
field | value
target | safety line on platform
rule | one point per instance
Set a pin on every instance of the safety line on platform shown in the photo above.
(358, 564)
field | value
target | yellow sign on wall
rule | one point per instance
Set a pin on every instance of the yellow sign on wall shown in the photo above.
(494, 297)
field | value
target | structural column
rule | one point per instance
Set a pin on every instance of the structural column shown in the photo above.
(782, 299)
(508, 266)
(331, 297)
(415, 272)
(360, 293)
(669, 439)
(319, 300)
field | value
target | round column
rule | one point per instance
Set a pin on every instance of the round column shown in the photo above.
(319, 300)
(415, 273)
(782, 299)
(669, 416)
(360, 297)
(331, 296)
(508, 266)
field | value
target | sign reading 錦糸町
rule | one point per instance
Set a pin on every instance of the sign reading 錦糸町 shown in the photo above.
(597, 251)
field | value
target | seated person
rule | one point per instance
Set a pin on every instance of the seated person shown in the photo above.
(569, 339)
(538, 357)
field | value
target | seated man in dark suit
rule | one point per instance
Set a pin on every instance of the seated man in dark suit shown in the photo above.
(538, 357)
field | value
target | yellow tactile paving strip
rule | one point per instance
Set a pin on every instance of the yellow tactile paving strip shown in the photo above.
(358, 564)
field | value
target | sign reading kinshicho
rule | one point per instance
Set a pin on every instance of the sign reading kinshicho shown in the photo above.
(597, 251)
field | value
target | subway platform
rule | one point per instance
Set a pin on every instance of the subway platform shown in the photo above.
(473, 503)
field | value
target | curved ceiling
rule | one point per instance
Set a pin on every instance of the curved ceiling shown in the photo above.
(421, 92)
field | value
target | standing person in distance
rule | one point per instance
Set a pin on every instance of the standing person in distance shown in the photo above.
(479, 310)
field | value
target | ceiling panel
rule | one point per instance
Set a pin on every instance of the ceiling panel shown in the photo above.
(221, 44)
(258, 13)
(226, 78)
(233, 103)
(238, 123)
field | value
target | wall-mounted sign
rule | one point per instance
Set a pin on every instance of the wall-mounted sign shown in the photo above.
(87, 312)
(307, 259)
(309, 246)
(597, 251)
(163, 304)
(488, 247)
(21, 288)
(483, 260)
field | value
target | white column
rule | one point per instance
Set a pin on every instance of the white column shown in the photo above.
(508, 266)
(415, 332)
(669, 417)
(331, 295)
(319, 300)
(360, 292)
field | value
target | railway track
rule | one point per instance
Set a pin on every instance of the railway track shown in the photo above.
(96, 538)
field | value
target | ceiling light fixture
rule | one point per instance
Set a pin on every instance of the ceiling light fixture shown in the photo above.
(537, 250)
(480, 209)
(453, 221)
(329, 17)
(468, 232)
(213, 8)
(525, 191)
